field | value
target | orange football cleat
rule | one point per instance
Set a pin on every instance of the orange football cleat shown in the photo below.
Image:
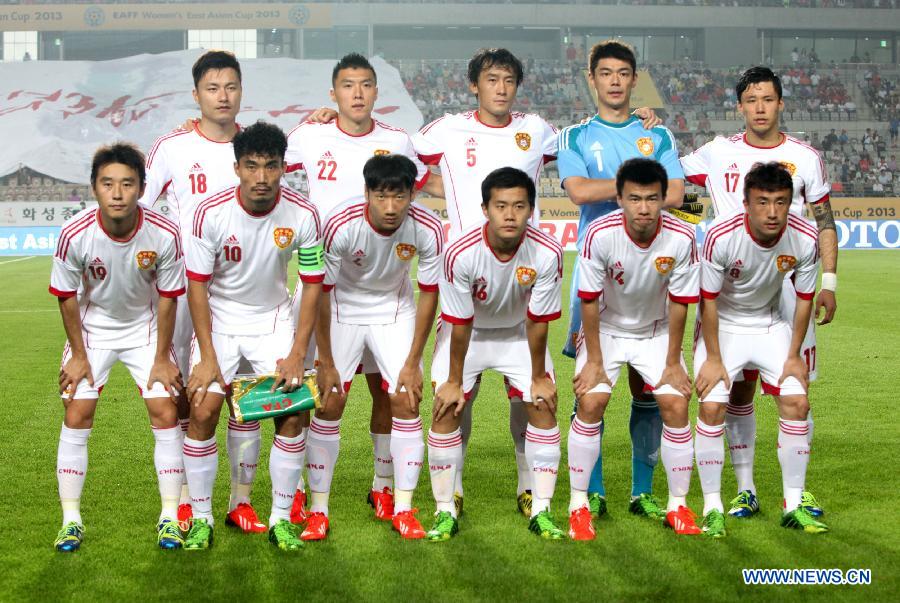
(581, 526)
(409, 527)
(683, 521)
(185, 515)
(299, 514)
(383, 503)
(316, 527)
(244, 517)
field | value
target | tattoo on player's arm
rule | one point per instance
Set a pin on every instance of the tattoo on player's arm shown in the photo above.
(824, 216)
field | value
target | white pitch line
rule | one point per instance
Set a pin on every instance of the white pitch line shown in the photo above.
(25, 311)
(17, 260)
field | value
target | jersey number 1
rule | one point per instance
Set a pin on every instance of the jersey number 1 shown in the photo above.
(198, 183)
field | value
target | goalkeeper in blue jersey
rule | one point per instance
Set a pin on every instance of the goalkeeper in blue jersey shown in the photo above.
(590, 153)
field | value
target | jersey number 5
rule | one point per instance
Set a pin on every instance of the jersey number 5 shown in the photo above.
(470, 157)
(198, 183)
(331, 166)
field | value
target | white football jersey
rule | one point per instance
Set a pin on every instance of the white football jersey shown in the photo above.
(721, 164)
(189, 168)
(120, 281)
(244, 257)
(468, 150)
(333, 159)
(746, 278)
(479, 287)
(368, 273)
(635, 282)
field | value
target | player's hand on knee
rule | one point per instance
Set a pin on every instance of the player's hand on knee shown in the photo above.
(409, 382)
(795, 367)
(166, 373)
(649, 118)
(449, 397)
(330, 386)
(675, 376)
(288, 373)
(543, 394)
(590, 376)
(827, 300)
(322, 115)
(70, 375)
(709, 375)
(203, 374)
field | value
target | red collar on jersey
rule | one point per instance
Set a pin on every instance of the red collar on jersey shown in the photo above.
(205, 137)
(337, 124)
(487, 242)
(253, 214)
(757, 241)
(140, 221)
(478, 119)
(650, 242)
(749, 144)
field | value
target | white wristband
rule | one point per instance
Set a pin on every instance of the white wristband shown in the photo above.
(829, 281)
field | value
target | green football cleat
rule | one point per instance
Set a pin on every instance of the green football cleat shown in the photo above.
(524, 503)
(809, 502)
(800, 519)
(714, 524)
(69, 538)
(597, 504)
(647, 506)
(445, 527)
(542, 525)
(458, 502)
(200, 537)
(745, 504)
(286, 536)
(168, 535)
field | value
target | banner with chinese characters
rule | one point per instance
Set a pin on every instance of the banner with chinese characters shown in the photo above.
(54, 114)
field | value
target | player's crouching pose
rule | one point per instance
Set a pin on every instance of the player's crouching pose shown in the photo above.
(128, 264)
(501, 287)
(369, 248)
(639, 271)
(239, 249)
(744, 259)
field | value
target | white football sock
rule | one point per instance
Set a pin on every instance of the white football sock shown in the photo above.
(710, 452)
(810, 421)
(243, 442)
(793, 456)
(169, 464)
(543, 454)
(445, 457)
(384, 464)
(322, 447)
(740, 428)
(677, 452)
(185, 496)
(201, 461)
(408, 451)
(284, 469)
(465, 429)
(584, 450)
(301, 485)
(71, 467)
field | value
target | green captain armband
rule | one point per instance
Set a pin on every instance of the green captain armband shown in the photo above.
(311, 259)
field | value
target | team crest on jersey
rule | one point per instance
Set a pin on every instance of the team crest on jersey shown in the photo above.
(790, 167)
(664, 264)
(283, 237)
(526, 275)
(405, 251)
(523, 140)
(379, 152)
(645, 145)
(146, 259)
(785, 263)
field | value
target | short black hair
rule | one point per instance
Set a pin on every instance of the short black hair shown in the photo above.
(486, 58)
(122, 152)
(264, 139)
(390, 173)
(354, 60)
(214, 60)
(642, 171)
(611, 49)
(757, 75)
(507, 177)
(770, 177)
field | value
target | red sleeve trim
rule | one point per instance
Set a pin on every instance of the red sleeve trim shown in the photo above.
(708, 294)
(806, 296)
(698, 179)
(196, 276)
(424, 179)
(431, 159)
(549, 158)
(543, 317)
(293, 167)
(326, 287)
(428, 288)
(684, 299)
(589, 295)
(453, 320)
(176, 293)
(312, 279)
(825, 198)
(61, 294)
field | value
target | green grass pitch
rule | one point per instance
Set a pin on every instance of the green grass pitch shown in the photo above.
(853, 473)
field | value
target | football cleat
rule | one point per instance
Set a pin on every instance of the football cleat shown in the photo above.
(683, 521)
(284, 535)
(298, 508)
(812, 506)
(524, 503)
(458, 503)
(714, 524)
(409, 527)
(200, 537)
(745, 504)
(445, 527)
(168, 535)
(801, 519)
(316, 527)
(581, 526)
(542, 525)
(597, 504)
(244, 517)
(383, 503)
(647, 506)
(69, 538)
(185, 514)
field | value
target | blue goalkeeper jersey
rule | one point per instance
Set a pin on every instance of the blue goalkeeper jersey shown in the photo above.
(597, 148)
